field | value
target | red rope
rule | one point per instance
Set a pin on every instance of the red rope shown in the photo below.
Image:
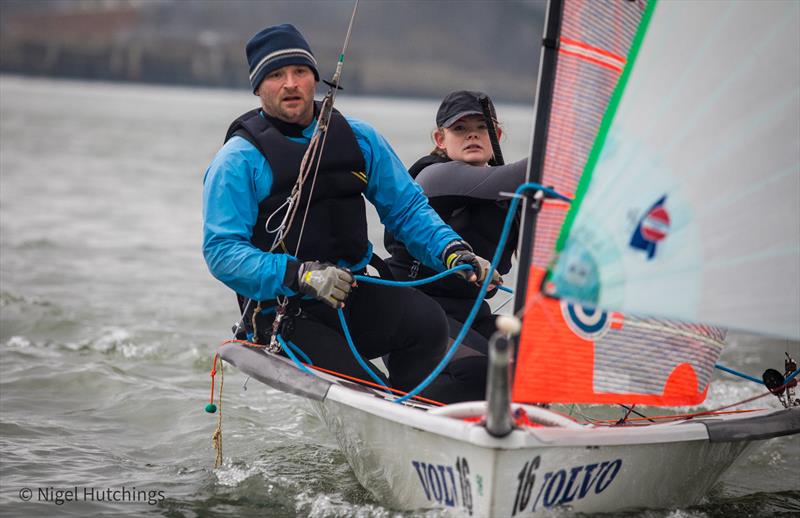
(327, 371)
(213, 373)
(675, 416)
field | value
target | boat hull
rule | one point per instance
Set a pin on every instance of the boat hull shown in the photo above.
(411, 467)
(413, 459)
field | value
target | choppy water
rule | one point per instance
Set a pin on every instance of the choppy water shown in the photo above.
(109, 319)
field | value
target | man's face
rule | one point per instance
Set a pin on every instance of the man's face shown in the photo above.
(288, 94)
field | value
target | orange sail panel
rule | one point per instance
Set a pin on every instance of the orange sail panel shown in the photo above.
(571, 354)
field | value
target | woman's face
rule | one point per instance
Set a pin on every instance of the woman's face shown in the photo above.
(466, 140)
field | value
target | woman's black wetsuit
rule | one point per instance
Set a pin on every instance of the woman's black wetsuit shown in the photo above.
(468, 199)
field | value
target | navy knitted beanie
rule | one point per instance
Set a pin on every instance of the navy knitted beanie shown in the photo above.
(276, 47)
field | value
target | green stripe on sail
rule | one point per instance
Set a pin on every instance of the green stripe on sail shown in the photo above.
(602, 133)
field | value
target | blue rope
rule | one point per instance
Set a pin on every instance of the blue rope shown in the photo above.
(484, 287)
(291, 348)
(353, 350)
(292, 356)
(789, 378)
(737, 373)
(420, 282)
(294, 347)
(467, 323)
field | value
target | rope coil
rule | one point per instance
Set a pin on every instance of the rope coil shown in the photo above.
(216, 438)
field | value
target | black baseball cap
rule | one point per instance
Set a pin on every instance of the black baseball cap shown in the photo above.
(460, 104)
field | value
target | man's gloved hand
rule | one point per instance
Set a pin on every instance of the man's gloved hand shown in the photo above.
(325, 282)
(458, 253)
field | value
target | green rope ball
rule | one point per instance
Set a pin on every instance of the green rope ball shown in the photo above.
(211, 408)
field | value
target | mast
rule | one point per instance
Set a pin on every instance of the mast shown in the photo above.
(544, 98)
(499, 419)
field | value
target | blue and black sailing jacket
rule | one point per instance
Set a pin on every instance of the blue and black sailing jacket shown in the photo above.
(243, 183)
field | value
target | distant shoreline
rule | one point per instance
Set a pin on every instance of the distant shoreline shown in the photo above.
(229, 89)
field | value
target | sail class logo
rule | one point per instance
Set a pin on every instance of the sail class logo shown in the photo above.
(651, 229)
(589, 323)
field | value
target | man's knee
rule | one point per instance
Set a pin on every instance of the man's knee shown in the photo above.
(427, 321)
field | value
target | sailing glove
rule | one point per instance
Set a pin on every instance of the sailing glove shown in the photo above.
(458, 253)
(325, 282)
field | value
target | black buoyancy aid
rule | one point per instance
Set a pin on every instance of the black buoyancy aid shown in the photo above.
(424, 162)
(401, 262)
(478, 222)
(336, 225)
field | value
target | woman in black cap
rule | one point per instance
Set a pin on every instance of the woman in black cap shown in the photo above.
(465, 191)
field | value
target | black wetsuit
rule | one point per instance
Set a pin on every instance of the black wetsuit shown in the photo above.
(378, 318)
(468, 199)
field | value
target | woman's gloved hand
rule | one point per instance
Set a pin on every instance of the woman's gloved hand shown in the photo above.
(458, 253)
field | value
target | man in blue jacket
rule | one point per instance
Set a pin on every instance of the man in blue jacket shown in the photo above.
(304, 274)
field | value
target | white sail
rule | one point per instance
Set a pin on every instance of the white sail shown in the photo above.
(690, 208)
